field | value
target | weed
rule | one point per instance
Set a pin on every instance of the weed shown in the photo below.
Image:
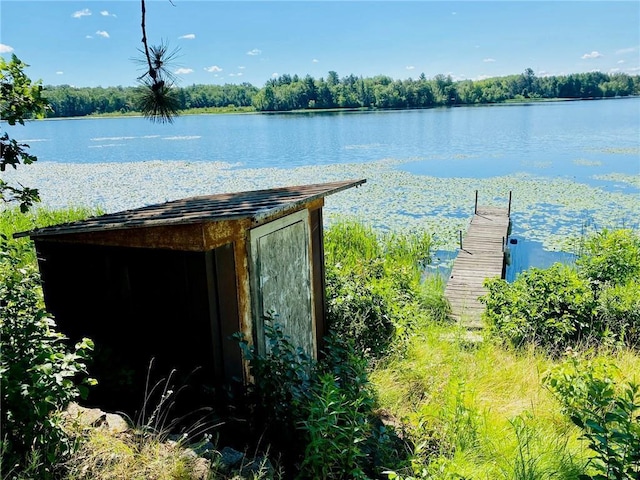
(606, 411)
(40, 373)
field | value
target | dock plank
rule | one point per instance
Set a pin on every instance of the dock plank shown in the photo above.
(481, 257)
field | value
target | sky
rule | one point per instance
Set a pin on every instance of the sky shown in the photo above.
(96, 43)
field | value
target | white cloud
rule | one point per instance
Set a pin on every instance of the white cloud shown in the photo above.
(184, 71)
(239, 74)
(59, 72)
(102, 33)
(5, 48)
(254, 52)
(315, 60)
(188, 36)
(622, 51)
(454, 13)
(241, 67)
(488, 60)
(410, 67)
(88, 36)
(620, 61)
(482, 77)
(232, 74)
(614, 70)
(593, 54)
(634, 69)
(81, 13)
(275, 75)
(106, 13)
(213, 68)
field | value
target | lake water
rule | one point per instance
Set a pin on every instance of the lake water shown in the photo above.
(568, 163)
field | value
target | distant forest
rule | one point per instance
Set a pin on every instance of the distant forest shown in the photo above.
(287, 93)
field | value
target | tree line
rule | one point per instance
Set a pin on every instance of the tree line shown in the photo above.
(287, 92)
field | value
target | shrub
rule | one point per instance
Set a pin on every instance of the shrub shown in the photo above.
(599, 302)
(553, 308)
(373, 285)
(282, 379)
(619, 312)
(319, 413)
(607, 412)
(611, 256)
(355, 310)
(40, 374)
(336, 427)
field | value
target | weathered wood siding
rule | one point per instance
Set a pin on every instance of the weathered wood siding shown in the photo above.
(280, 253)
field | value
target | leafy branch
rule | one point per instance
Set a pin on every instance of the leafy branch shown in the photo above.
(20, 99)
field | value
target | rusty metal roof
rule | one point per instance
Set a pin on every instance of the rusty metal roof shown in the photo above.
(257, 205)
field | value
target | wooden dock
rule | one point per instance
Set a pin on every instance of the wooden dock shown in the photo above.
(481, 256)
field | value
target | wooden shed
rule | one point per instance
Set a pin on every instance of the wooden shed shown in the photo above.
(175, 281)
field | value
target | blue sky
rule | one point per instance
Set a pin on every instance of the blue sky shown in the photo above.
(93, 42)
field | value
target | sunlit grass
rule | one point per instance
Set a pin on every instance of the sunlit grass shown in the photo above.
(485, 406)
(13, 221)
(105, 456)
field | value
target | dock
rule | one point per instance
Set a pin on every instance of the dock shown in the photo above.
(481, 256)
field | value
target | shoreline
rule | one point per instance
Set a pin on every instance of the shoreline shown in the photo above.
(205, 110)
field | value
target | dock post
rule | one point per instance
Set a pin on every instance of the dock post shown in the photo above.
(460, 239)
(509, 210)
(475, 207)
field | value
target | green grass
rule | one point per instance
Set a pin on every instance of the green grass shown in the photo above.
(470, 410)
(13, 221)
(480, 411)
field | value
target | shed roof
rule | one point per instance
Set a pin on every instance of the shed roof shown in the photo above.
(257, 205)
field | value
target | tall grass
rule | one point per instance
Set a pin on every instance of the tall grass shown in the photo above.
(374, 289)
(480, 410)
(13, 221)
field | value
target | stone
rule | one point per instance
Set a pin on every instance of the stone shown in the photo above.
(115, 423)
(86, 417)
(231, 458)
(201, 468)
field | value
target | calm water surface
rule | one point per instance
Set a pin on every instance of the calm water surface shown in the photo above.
(575, 140)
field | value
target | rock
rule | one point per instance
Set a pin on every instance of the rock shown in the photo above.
(189, 453)
(96, 418)
(231, 458)
(86, 417)
(201, 468)
(115, 423)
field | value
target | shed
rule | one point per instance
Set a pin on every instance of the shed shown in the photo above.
(175, 281)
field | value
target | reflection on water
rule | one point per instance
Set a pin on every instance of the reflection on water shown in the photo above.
(524, 254)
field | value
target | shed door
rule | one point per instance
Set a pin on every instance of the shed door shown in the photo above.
(281, 279)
